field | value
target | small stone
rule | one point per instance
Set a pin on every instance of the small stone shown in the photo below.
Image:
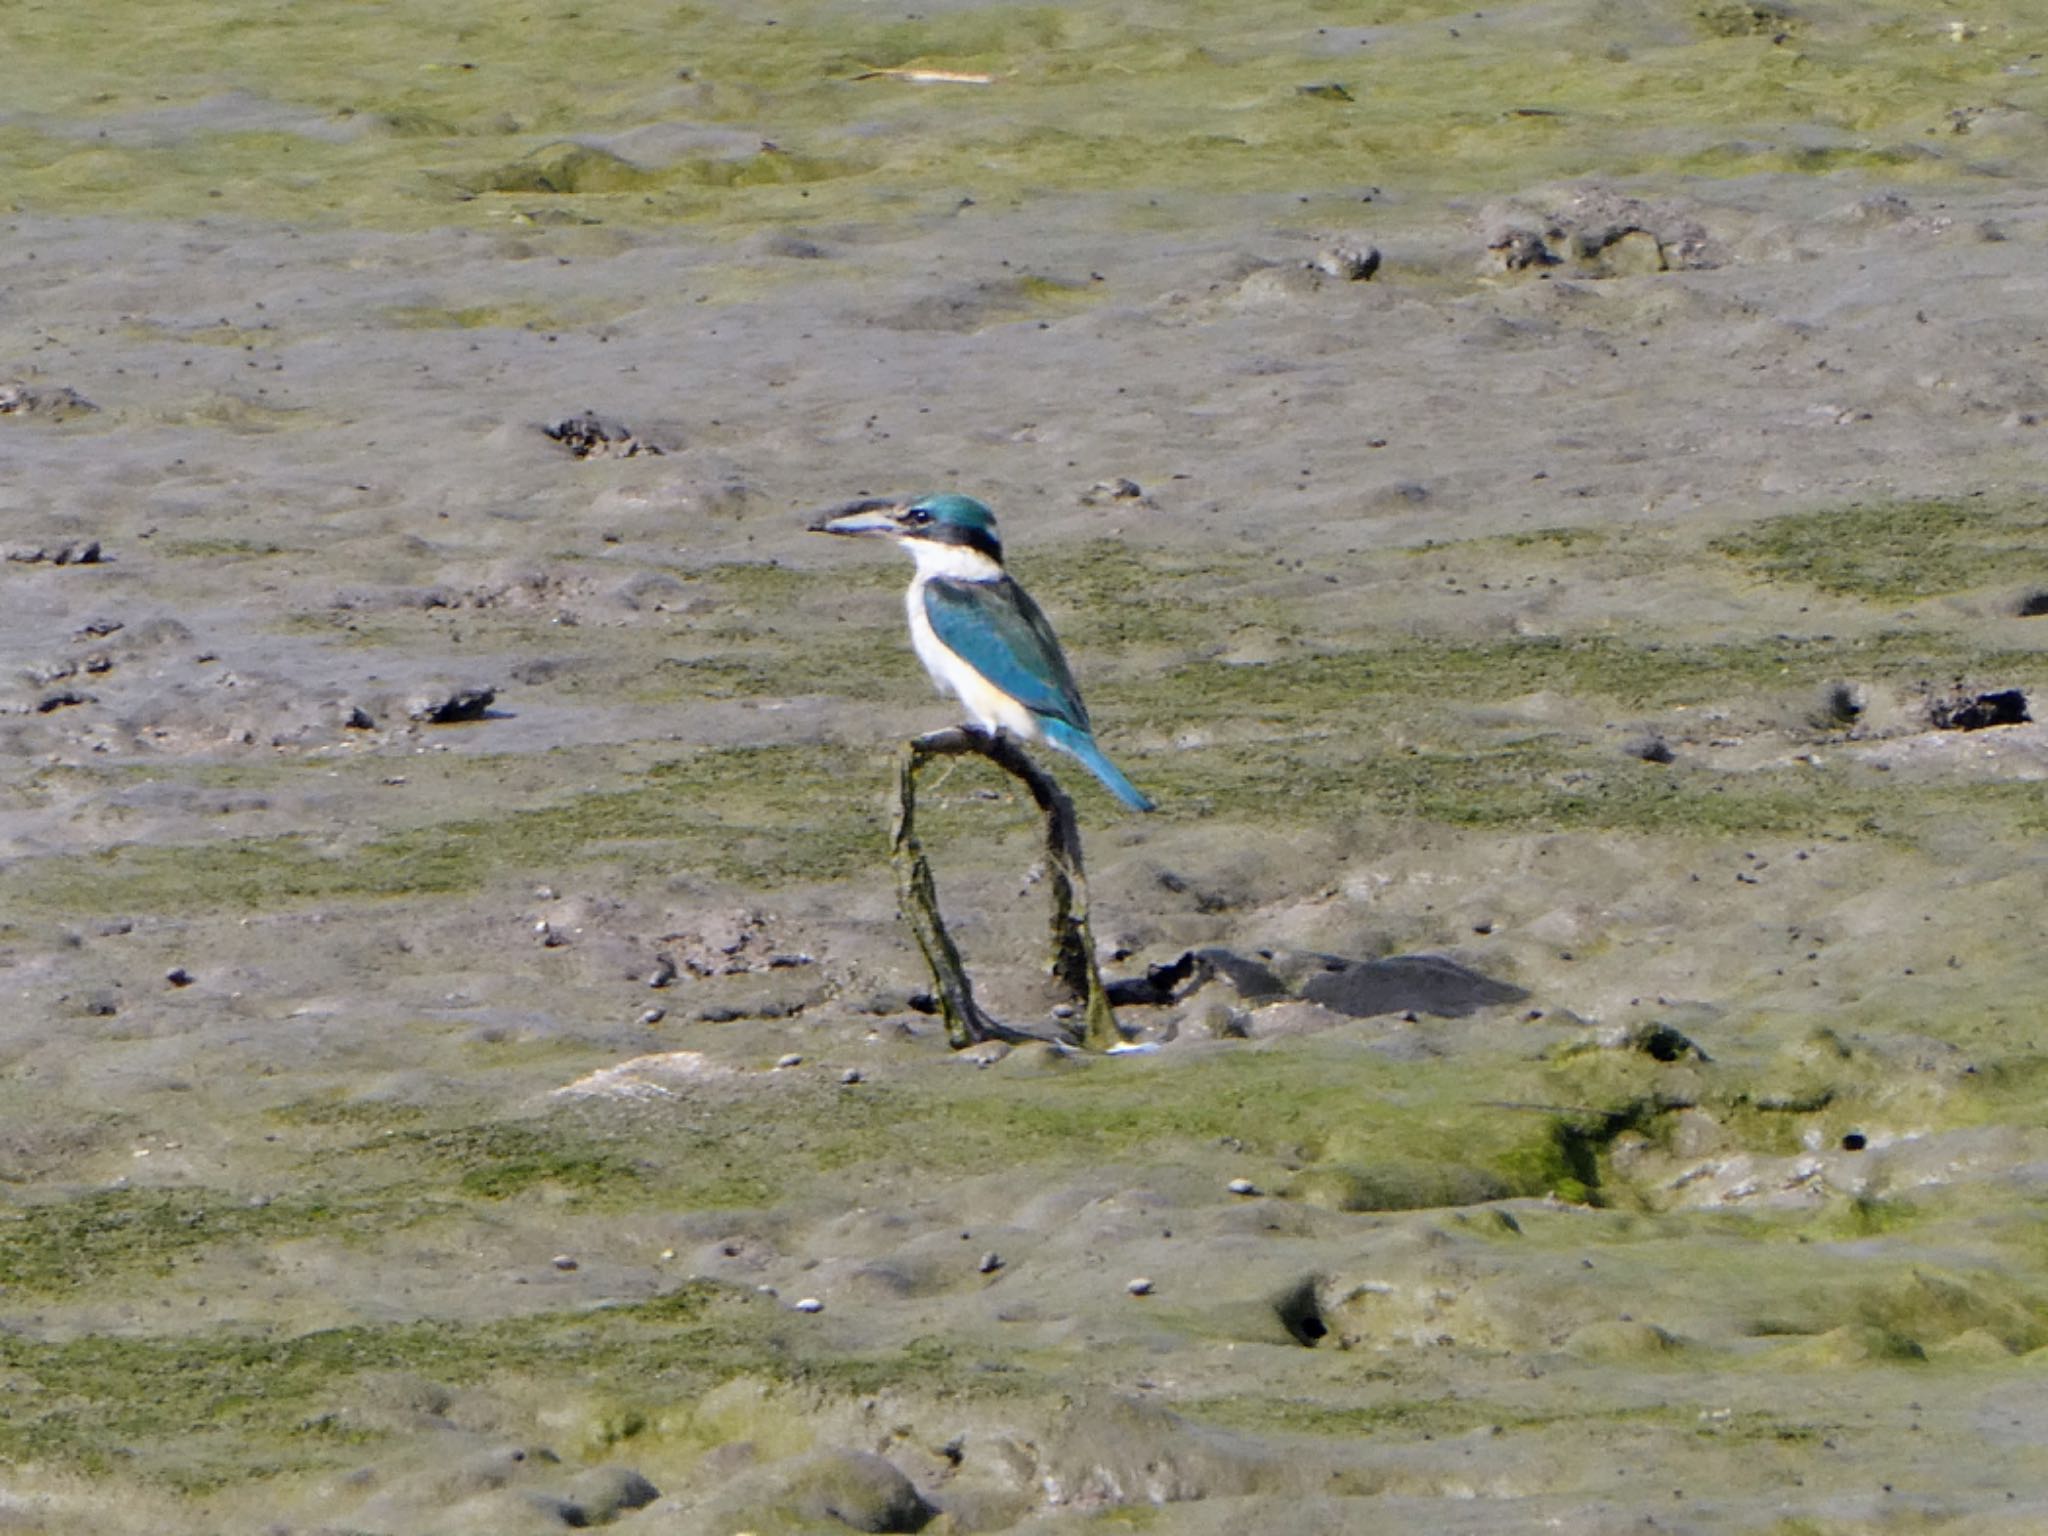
(178, 976)
(1139, 1287)
(664, 972)
(1348, 262)
(810, 1304)
(1122, 488)
(1243, 1187)
(790, 1060)
(565, 1262)
(358, 719)
(601, 1494)
(850, 1075)
(990, 1262)
(653, 1015)
(1628, 253)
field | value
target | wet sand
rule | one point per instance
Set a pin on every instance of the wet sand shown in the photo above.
(528, 1121)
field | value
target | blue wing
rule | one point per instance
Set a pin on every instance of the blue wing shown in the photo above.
(996, 629)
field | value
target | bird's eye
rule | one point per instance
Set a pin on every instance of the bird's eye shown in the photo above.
(917, 517)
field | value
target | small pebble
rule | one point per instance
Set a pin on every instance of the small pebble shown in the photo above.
(791, 1060)
(850, 1075)
(1243, 1187)
(178, 976)
(990, 1263)
(653, 1015)
(810, 1304)
(1139, 1287)
(1350, 262)
(564, 1262)
(1122, 488)
(666, 1254)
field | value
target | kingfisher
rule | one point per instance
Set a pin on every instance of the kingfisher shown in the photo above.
(978, 633)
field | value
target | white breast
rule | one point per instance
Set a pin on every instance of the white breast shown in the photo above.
(987, 705)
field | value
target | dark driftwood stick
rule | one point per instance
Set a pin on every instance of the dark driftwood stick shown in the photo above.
(1073, 951)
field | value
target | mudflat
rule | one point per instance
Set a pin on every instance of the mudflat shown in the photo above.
(1551, 503)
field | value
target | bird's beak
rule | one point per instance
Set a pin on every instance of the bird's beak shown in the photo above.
(859, 517)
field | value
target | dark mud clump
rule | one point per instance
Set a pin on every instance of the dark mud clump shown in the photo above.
(1976, 712)
(18, 399)
(454, 707)
(594, 437)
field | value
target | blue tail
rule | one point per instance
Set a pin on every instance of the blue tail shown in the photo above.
(1080, 744)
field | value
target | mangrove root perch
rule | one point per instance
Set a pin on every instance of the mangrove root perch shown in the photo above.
(1073, 952)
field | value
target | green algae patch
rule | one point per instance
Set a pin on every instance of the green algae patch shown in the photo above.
(1523, 785)
(238, 874)
(564, 169)
(1895, 551)
(222, 1407)
(1391, 1130)
(115, 1236)
(1398, 1184)
(501, 1161)
(222, 549)
(480, 317)
(566, 1159)
(1932, 1307)
(223, 412)
(1376, 1136)
(763, 816)
(1847, 1346)
(1618, 1340)
(1640, 673)
(408, 115)
(1403, 1411)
